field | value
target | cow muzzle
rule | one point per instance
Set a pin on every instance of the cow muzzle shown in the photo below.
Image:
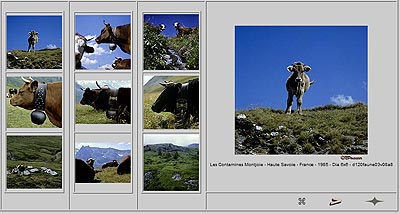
(298, 80)
(89, 49)
(155, 109)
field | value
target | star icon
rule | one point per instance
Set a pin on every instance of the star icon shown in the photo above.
(374, 201)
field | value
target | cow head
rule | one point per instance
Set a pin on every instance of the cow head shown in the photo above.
(116, 61)
(90, 162)
(80, 48)
(176, 24)
(101, 98)
(167, 99)
(106, 34)
(162, 27)
(298, 68)
(89, 96)
(26, 94)
(33, 33)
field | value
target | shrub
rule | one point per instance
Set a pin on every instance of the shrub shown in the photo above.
(308, 149)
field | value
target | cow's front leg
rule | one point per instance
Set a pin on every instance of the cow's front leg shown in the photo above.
(299, 103)
(289, 103)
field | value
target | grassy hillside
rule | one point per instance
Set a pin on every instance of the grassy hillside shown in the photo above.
(322, 130)
(155, 46)
(171, 171)
(40, 59)
(85, 114)
(163, 120)
(109, 175)
(35, 151)
(18, 117)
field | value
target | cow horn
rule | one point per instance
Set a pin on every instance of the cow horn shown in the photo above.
(105, 23)
(25, 80)
(98, 85)
(82, 89)
(30, 78)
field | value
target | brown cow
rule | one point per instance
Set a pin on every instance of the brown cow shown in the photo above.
(297, 84)
(113, 163)
(120, 35)
(184, 30)
(121, 64)
(25, 98)
(125, 166)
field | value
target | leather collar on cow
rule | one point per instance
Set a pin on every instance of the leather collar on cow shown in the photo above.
(182, 99)
(40, 96)
(113, 38)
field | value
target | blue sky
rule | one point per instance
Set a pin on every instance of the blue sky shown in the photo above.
(91, 26)
(187, 20)
(49, 28)
(338, 56)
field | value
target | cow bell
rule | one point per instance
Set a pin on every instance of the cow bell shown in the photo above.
(38, 117)
(112, 46)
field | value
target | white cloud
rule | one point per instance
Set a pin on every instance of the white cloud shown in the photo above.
(106, 67)
(51, 46)
(98, 50)
(87, 61)
(110, 83)
(342, 100)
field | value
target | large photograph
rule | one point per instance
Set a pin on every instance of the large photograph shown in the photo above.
(301, 90)
(34, 42)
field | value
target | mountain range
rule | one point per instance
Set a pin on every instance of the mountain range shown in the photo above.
(169, 147)
(101, 155)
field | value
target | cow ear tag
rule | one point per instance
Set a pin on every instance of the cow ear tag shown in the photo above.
(38, 116)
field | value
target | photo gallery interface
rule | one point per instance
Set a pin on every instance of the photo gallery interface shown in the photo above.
(120, 105)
